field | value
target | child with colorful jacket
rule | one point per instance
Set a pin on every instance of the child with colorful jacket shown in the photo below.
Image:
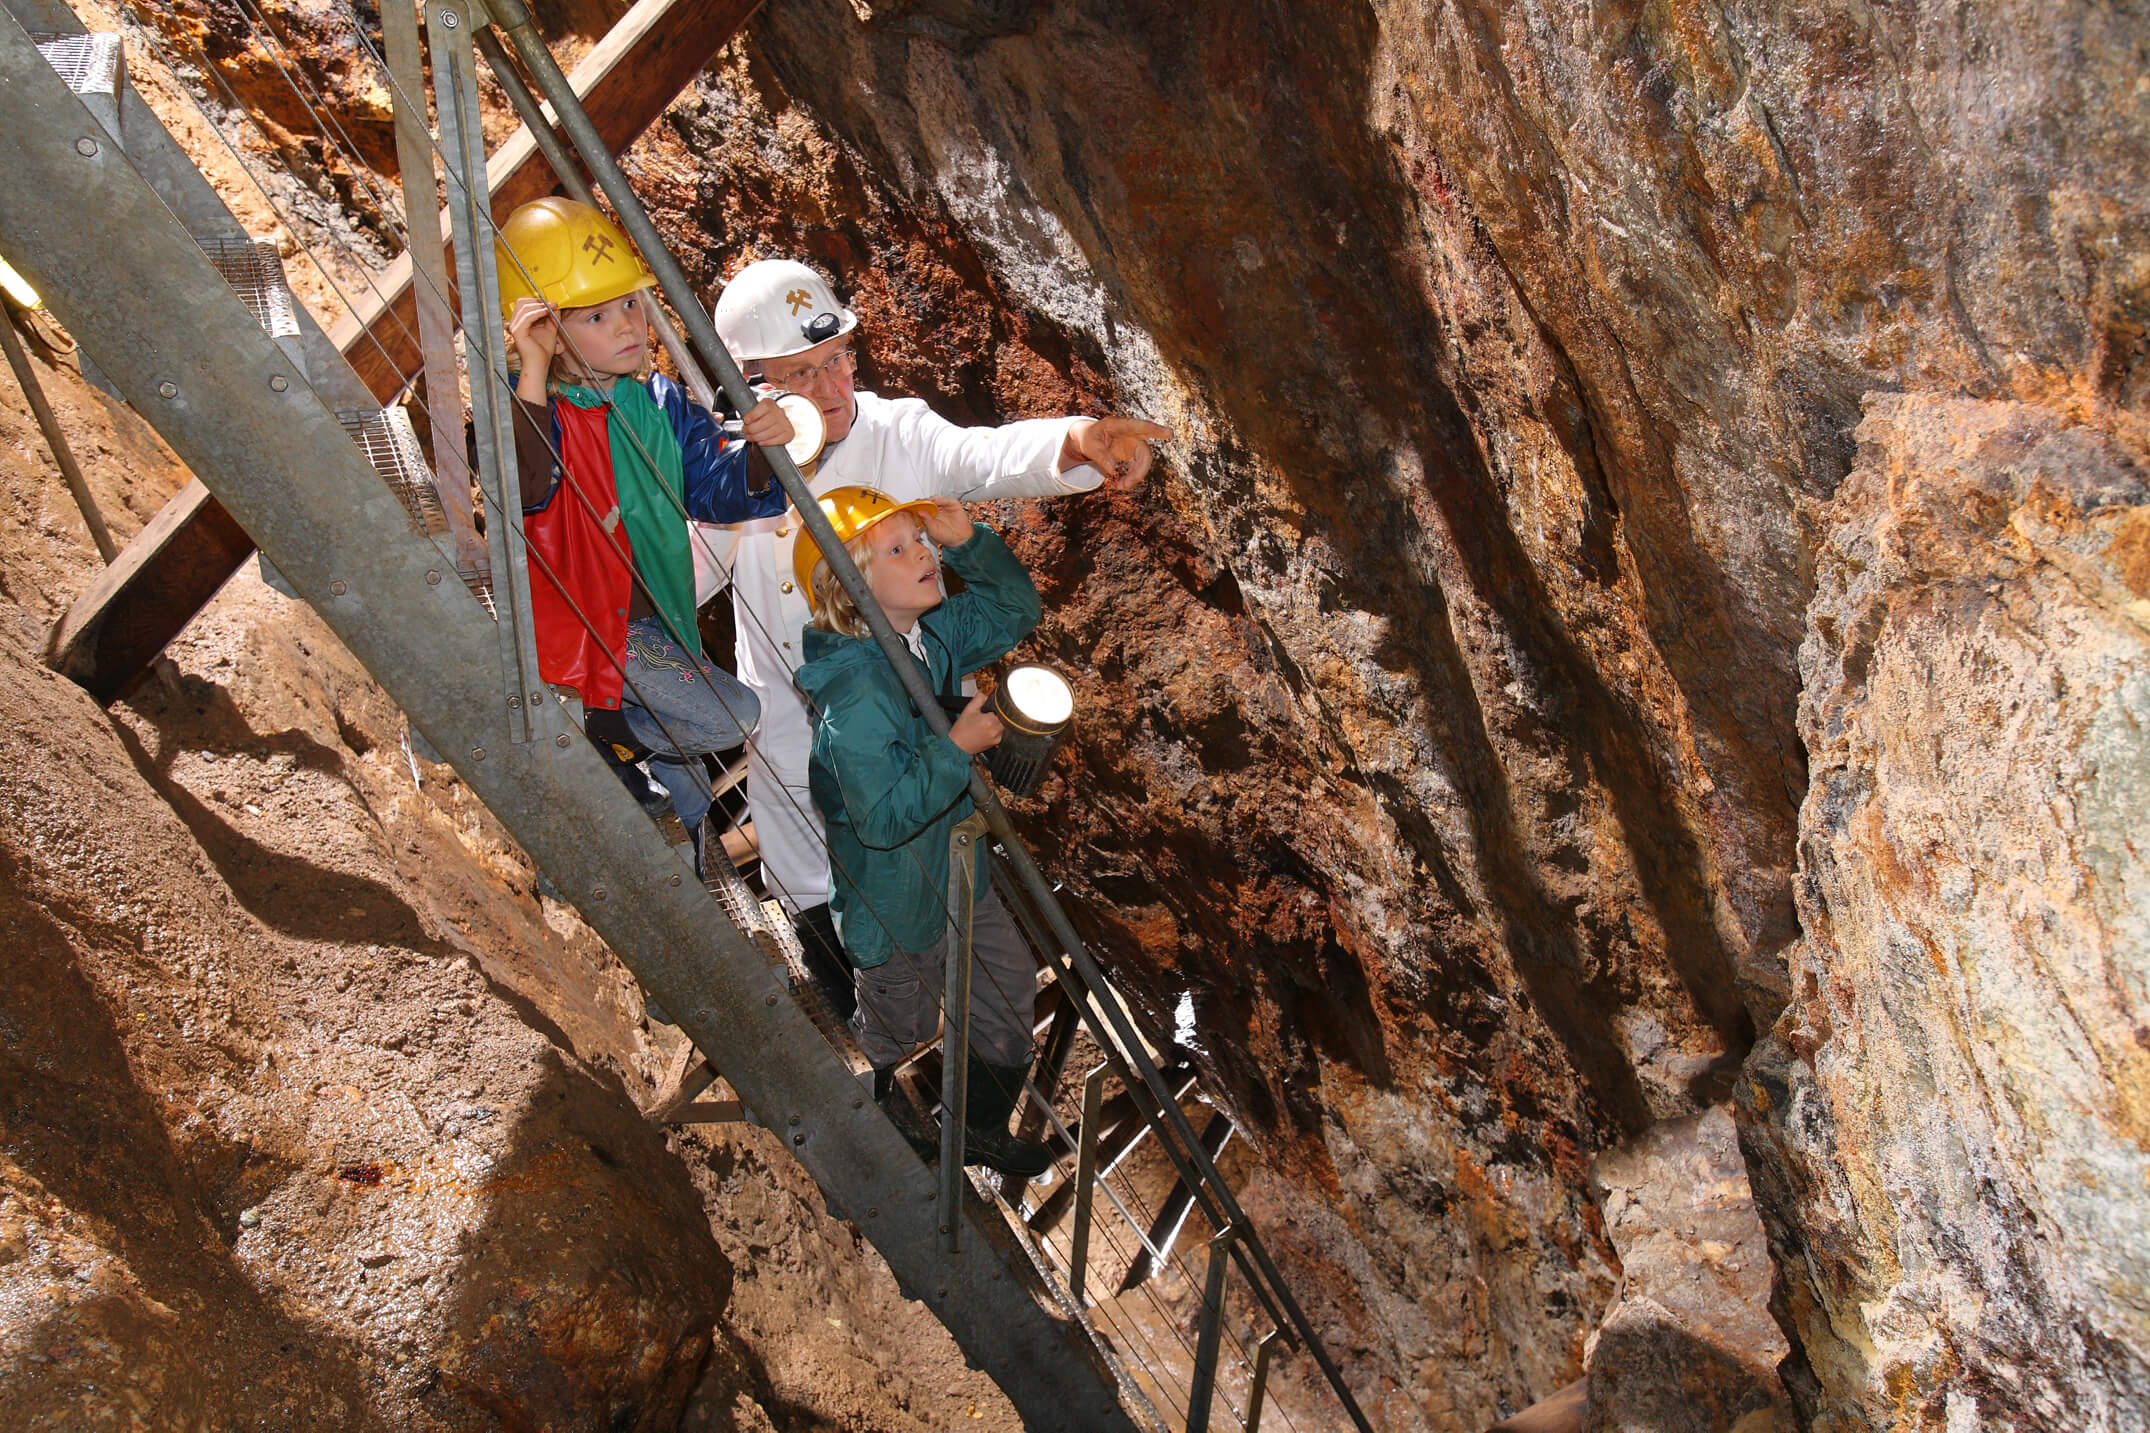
(891, 790)
(611, 465)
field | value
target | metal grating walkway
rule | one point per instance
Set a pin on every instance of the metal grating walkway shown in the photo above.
(387, 439)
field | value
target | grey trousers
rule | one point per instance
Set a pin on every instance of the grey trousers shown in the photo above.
(900, 1000)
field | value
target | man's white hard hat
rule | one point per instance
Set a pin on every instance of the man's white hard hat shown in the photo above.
(776, 307)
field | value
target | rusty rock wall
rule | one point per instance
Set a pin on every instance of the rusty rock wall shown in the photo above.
(1445, 768)
(1445, 756)
(1951, 1119)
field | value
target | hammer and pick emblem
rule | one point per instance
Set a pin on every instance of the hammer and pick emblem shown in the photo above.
(798, 299)
(599, 248)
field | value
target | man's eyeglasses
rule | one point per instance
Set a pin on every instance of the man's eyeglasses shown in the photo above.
(798, 381)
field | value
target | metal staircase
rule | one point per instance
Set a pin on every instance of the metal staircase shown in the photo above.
(185, 351)
(192, 320)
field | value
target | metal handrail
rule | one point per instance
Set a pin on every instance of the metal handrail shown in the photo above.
(513, 17)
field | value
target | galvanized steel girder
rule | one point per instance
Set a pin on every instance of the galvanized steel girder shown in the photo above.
(142, 299)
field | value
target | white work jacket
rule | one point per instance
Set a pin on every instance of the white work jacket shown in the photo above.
(903, 448)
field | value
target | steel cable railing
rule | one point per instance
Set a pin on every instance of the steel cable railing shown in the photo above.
(114, 297)
(355, 161)
(1198, 1169)
(358, 167)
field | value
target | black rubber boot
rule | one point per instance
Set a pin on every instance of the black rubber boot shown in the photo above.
(826, 962)
(990, 1099)
(921, 1132)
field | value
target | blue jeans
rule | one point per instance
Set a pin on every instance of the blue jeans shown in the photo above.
(682, 709)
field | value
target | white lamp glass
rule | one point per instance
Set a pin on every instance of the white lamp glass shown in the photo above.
(1041, 695)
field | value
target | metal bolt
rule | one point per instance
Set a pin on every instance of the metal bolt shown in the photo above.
(337, 589)
(872, 1212)
(449, 20)
(598, 894)
(167, 389)
(794, 1119)
(768, 1000)
(433, 577)
(674, 880)
(536, 698)
(798, 1139)
(477, 753)
(86, 147)
(561, 742)
(859, 1103)
(515, 704)
(943, 1293)
(944, 1230)
(278, 383)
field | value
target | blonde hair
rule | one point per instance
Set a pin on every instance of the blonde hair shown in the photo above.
(834, 611)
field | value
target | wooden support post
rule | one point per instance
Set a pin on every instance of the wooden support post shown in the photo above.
(48, 423)
(111, 633)
(425, 249)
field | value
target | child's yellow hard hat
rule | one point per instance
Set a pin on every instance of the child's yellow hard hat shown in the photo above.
(851, 511)
(567, 254)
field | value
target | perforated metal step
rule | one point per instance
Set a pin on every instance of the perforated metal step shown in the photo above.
(478, 577)
(256, 274)
(95, 68)
(765, 923)
(390, 444)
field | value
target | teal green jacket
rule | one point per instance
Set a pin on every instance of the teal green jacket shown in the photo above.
(890, 788)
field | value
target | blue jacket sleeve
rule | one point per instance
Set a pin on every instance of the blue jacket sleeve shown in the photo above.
(893, 774)
(712, 465)
(998, 607)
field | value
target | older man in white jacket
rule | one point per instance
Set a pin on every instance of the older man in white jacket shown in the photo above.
(784, 325)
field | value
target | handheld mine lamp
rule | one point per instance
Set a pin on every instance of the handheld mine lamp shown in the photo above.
(808, 431)
(1034, 705)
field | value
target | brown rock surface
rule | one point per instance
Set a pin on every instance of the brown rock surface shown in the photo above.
(1445, 754)
(1689, 1347)
(284, 1138)
(1950, 1122)
(1445, 761)
(312, 1114)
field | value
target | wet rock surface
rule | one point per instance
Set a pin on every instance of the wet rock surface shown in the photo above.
(1947, 1123)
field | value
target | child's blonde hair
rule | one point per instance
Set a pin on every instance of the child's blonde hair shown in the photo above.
(834, 611)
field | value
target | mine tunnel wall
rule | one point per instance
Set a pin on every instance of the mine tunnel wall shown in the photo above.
(1652, 541)
(1449, 677)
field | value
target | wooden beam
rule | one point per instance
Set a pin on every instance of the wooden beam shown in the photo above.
(116, 629)
(113, 631)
